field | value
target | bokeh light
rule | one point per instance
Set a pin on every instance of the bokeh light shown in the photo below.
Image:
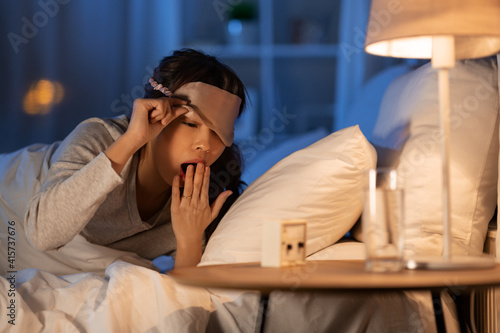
(42, 96)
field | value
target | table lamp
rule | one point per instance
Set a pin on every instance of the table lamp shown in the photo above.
(443, 31)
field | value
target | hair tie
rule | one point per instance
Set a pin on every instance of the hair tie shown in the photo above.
(160, 87)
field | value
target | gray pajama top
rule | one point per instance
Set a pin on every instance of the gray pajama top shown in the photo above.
(83, 194)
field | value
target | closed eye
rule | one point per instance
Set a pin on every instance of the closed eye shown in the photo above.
(190, 124)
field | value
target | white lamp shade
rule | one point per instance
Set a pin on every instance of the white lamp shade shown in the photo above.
(405, 29)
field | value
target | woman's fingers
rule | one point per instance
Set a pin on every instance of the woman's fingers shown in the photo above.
(165, 108)
(198, 184)
(198, 181)
(156, 115)
(176, 101)
(175, 191)
(151, 116)
(188, 183)
(219, 202)
(191, 211)
(194, 184)
(175, 112)
(205, 187)
(171, 109)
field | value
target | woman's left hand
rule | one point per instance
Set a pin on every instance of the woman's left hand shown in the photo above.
(192, 213)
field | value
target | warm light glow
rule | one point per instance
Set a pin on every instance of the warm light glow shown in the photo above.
(42, 96)
(412, 47)
(393, 26)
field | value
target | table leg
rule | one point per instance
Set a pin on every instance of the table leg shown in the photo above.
(264, 301)
(438, 311)
(463, 311)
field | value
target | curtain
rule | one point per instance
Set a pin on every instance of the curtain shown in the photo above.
(63, 61)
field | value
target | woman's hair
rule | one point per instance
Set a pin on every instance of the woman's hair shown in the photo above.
(188, 65)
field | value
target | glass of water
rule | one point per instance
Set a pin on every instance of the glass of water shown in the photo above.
(383, 218)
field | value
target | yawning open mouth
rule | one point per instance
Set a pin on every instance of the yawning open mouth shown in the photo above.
(184, 167)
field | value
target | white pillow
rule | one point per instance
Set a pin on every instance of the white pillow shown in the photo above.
(409, 121)
(367, 100)
(266, 159)
(321, 183)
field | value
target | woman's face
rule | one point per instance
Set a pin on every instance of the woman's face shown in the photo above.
(185, 140)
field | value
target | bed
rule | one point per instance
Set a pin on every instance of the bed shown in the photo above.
(95, 289)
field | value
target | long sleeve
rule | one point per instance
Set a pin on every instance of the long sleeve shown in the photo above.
(78, 182)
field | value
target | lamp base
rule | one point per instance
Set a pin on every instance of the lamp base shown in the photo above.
(453, 263)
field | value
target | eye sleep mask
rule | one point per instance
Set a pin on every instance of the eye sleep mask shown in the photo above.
(216, 107)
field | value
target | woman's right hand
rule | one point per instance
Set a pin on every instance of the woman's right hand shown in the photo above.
(151, 116)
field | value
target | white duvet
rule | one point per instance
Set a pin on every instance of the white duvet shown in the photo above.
(129, 298)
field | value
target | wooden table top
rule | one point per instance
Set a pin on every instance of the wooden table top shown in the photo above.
(330, 275)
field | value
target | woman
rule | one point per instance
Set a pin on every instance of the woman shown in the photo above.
(150, 184)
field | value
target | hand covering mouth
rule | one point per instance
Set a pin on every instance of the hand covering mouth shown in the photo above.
(184, 167)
